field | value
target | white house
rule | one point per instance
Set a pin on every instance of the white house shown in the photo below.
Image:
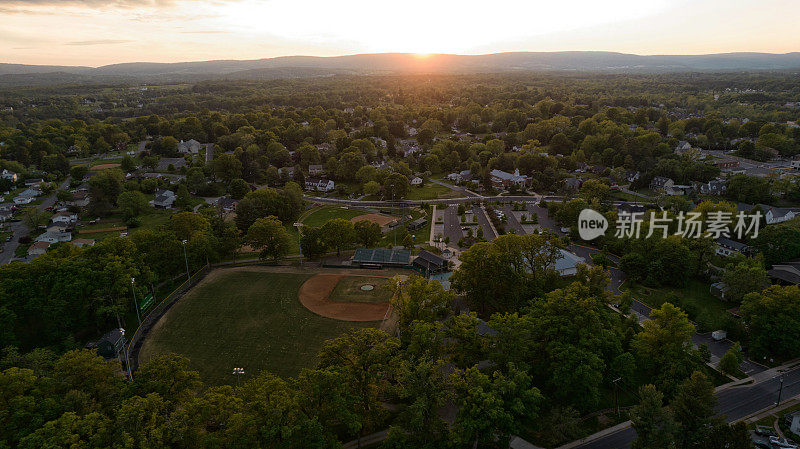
(80, 243)
(191, 146)
(315, 169)
(796, 164)
(772, 215)
(320, 185)
(10, 175)
(64, 217)
(23, 200)
(417, 181)
(682, 147)
(54, 237)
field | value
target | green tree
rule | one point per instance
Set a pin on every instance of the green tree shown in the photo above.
(238, 188)
(654, 424)
(731, 360)
(104, 188)
(227, 167)
(491, 408)
(185, 224)
(418, 298)
(372, 188)
(132, 204)
(339, 234)
(313, 242)
(746, 276)
(693, 410)
(367, 233)
(773, 319)
(270, 237)
(396, 186)
(664, 346)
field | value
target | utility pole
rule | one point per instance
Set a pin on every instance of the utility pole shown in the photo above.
(616, 393)
(780, 391)
(299, 225)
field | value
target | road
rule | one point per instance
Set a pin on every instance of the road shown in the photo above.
(734, 402)
(20, 229)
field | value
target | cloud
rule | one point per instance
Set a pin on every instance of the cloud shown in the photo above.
(100, 42)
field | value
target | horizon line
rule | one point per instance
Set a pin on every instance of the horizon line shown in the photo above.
(420, 56)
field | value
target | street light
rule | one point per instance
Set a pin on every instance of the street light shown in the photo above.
(299, 225)
(185, 259)
(135, 306)
(238, 372)
(780, 391)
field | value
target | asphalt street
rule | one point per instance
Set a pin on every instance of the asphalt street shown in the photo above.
(20, 229)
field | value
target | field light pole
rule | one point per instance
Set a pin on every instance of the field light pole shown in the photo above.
(127, 362)
(299, 225)
(185, 259)
(135, 306)
(238, 372)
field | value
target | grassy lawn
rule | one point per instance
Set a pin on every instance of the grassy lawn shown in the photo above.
(420, 235)
(349, 290)
(431, 191)
(320, 216)
(706, 310)
(244, 319)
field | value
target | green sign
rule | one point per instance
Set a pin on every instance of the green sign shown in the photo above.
(146, 302)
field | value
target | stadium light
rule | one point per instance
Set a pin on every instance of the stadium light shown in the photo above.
(135, 306)
(238, 372)
(185, 259)
(299, 225)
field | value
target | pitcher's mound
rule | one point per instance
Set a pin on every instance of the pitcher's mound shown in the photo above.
(314, 294)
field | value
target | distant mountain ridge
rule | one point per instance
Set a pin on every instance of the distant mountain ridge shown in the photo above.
(385, 63)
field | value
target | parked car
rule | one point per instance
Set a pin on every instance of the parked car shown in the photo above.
(765, 431)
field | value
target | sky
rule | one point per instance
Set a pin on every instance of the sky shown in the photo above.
(100, 32)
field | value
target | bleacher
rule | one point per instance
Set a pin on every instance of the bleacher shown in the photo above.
(379, 257)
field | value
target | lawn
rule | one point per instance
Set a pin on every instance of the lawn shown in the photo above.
(246, 319)
(320, 216)
(431, 191)
(420, 235)
(349, 289)
(706, 310)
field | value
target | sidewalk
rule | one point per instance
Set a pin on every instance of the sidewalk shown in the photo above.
(595, 436)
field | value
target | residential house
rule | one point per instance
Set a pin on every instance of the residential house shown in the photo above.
(662, 184)
(631, 208)
(38, 248)
(226, 204)
(320, 185)
(164, 199)
(598, 169)
(79, 199)
(27, 196)
(796, 164)
(191, 146)
(416, 224)
(80, 243)
(573, 184)
(54, 237)
(286, 171)
(6, 215)
(171, 163)
(462, 176)
(504, 180)
(714, 187)
(632, 175)
(315, 169)
(416, 181)
(682, 147)
(726, 247)
(64, 217)
(10, 175)
(33, 181)
(772, 215)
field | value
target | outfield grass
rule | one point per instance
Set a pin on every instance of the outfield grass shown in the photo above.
(430, 191)
(246, 319)
(320, 216)
(349, 290)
